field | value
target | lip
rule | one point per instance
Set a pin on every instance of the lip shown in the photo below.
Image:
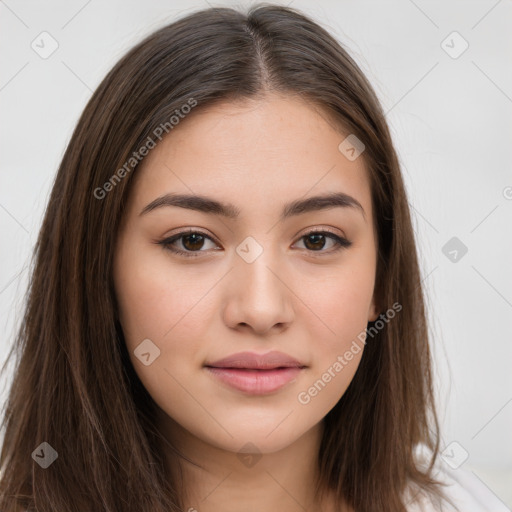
(256, 374)
(255, 361)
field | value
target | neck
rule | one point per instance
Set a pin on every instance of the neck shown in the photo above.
(211, 478)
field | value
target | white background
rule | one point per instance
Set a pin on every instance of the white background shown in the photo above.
(451, 120)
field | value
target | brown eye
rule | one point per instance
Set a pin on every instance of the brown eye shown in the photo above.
(315, 241)
(191, 241)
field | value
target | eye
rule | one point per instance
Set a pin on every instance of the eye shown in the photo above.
(193, 241)
(315, 240)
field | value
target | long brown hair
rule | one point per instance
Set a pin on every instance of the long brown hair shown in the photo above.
(74, 386)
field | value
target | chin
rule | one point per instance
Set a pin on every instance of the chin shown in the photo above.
(265, 438)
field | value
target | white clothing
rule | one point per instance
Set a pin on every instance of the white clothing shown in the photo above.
(466, 490)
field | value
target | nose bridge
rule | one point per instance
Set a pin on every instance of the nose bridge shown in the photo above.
(261, 297)
(256, 267)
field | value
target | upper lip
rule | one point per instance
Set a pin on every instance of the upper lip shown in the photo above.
(252, 360)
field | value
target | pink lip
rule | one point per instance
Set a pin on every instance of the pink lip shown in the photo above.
(256, 374)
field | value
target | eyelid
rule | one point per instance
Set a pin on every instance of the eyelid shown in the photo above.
(322, 230)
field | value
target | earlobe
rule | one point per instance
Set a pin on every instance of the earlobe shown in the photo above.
(373, 314)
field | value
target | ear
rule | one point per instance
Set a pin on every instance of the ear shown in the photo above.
(373, 312)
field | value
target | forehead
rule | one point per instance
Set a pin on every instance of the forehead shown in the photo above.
(258, 152)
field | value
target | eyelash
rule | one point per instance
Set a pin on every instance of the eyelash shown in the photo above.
(342, 243)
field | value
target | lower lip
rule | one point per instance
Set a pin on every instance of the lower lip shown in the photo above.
(255, 382)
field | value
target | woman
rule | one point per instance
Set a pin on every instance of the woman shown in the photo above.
(226, 311)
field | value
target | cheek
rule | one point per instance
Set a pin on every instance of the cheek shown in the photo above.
(165, 305)
(170, 305)
(338, 346)
(156, 300)
(340, 304)
(337, 322)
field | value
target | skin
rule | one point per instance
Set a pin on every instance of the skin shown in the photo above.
(258, 155)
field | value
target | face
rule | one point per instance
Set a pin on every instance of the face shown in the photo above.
(196, 286)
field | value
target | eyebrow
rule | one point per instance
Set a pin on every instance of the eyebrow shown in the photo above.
(212, 206)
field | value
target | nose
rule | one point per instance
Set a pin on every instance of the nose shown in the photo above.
(260, 298)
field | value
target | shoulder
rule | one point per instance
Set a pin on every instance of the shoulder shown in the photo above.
(463, 488)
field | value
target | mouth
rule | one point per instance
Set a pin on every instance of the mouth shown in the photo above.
(256, 381)
(256, 374)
